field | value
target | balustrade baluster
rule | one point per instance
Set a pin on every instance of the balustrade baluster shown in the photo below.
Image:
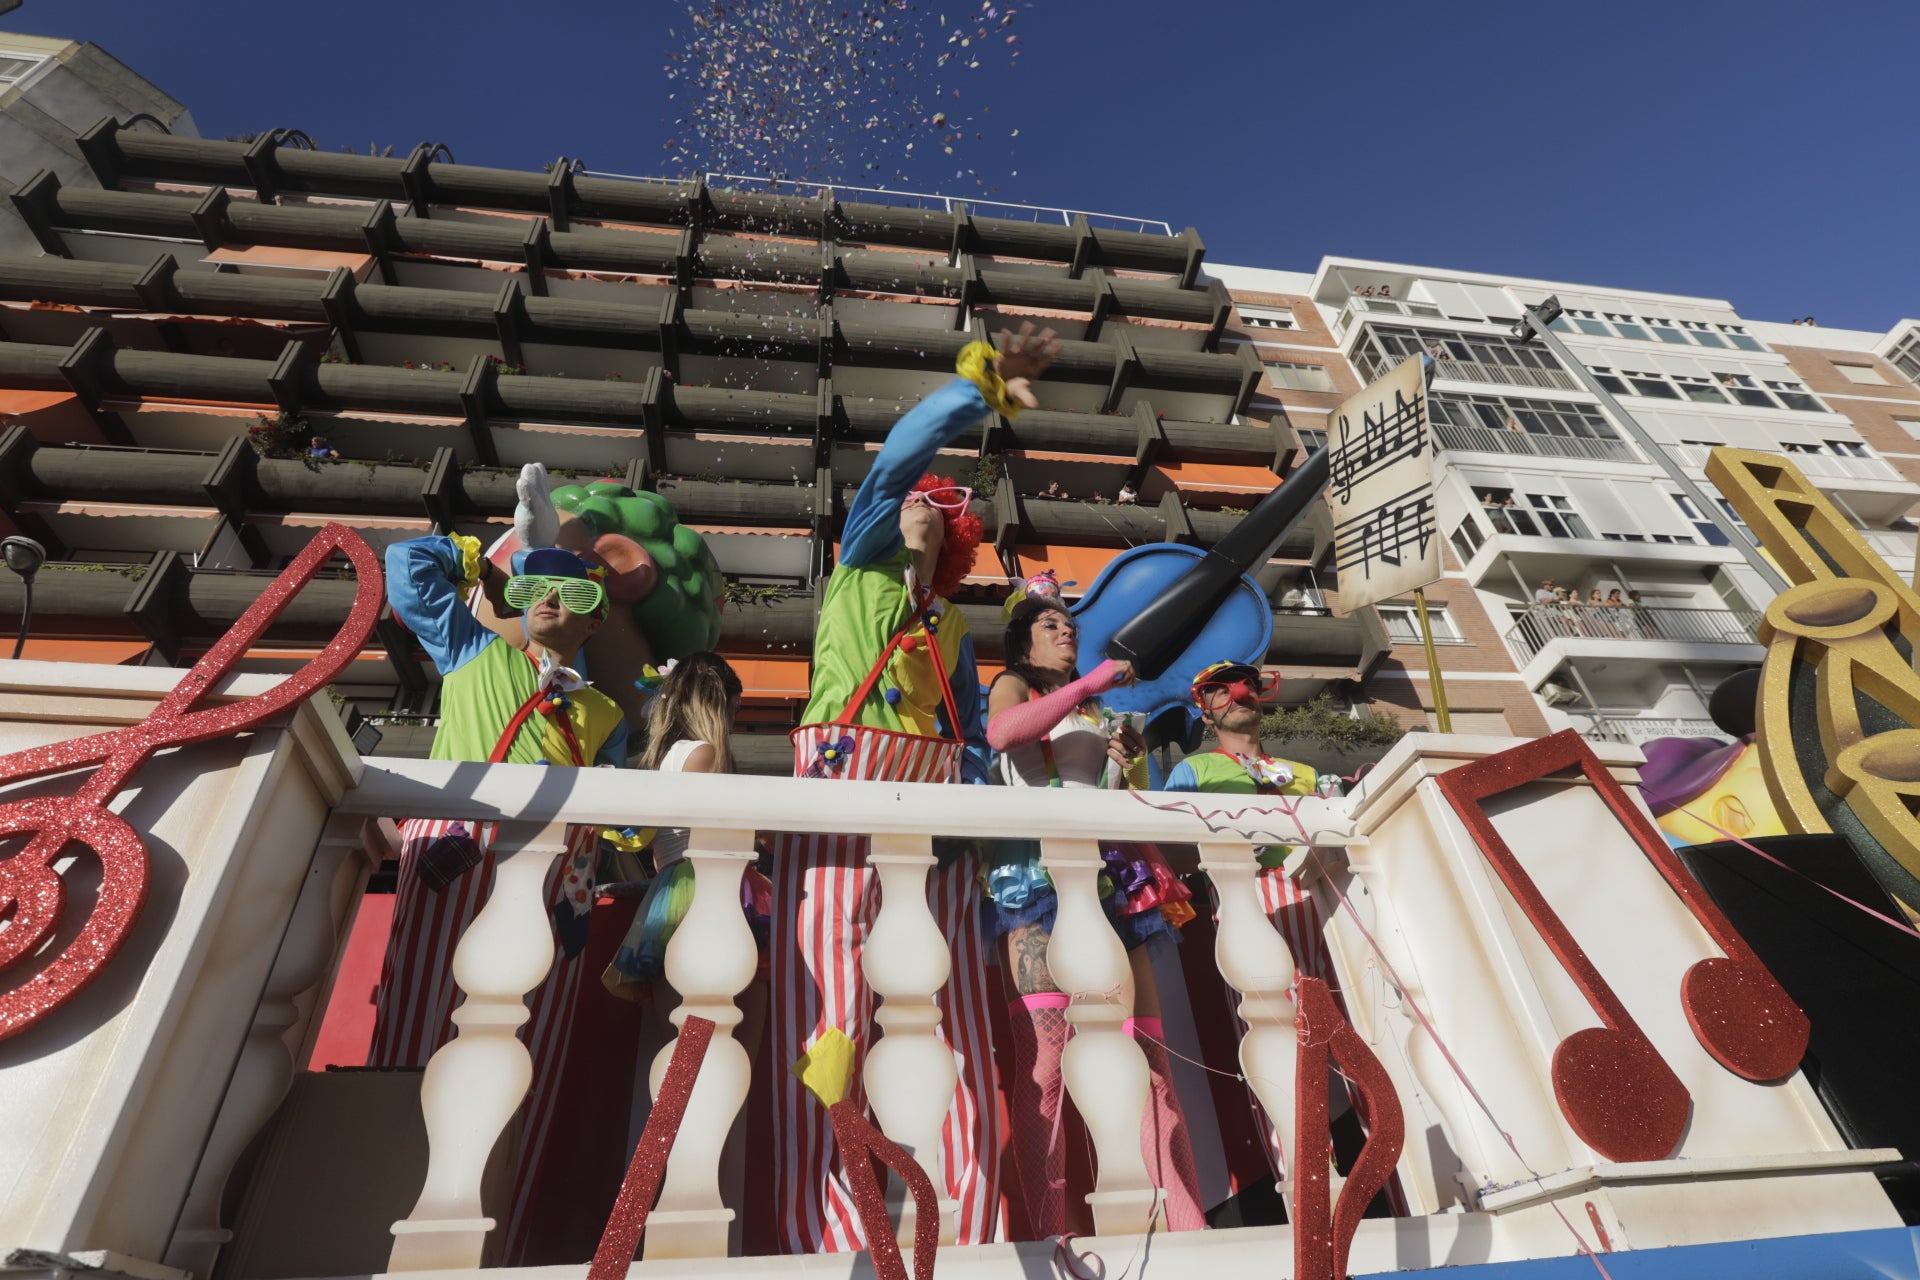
(710, 961)
(910, 1074)
(1256, 962)
(1105, 1071)
(475, 1082)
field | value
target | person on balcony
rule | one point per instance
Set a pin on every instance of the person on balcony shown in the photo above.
(895, 697)
(1051, 730)
(498, 703)
(1229, 696)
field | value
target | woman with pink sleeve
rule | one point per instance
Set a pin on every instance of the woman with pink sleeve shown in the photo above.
(1051, 730)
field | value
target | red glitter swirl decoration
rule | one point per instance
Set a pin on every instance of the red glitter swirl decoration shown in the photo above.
(1323, 1235)
(641, 1187)
(861, 1143)
(32, 894)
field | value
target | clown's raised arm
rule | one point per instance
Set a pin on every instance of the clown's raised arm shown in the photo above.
(427, 583)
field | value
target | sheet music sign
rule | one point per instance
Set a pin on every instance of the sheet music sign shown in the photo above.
(1380, 485)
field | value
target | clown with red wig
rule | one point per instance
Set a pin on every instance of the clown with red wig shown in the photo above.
(895, 697)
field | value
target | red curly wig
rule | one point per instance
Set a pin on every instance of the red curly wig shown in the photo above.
(962, 543)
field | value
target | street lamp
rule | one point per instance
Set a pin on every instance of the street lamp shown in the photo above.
(24, 556)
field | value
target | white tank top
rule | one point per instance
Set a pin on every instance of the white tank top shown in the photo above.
(670, 846)
(1079, 752)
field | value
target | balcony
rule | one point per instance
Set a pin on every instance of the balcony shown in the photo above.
(1544, 625)
(1532, 444)
(1817, 465)
(263, 842)
(1373, 365)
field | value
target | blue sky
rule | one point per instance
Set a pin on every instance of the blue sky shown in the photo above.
(1754, 150)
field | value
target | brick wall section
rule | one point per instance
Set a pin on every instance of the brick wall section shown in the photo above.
(1870, 408)
(1305, 409)
(1406, 702)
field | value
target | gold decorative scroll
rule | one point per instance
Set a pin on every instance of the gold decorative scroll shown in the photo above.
(1838, 693)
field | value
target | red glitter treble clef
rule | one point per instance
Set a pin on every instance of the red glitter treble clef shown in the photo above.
(32, 893)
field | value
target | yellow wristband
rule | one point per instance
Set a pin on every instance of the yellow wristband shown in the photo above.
(470, 560)
(976, 366)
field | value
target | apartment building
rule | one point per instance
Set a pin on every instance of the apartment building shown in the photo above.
(1541, 488)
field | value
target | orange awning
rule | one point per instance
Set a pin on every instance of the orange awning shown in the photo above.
(317, 260)
(1209, 477)
(1076, 567)
(31, 401)
(773, 677)
(103, 652)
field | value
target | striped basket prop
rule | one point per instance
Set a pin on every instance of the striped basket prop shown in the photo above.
(859, 753)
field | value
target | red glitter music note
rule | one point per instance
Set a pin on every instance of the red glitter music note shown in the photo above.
(32, 894)
(1614, 1088)
(641, 1187)
(1322, 1238)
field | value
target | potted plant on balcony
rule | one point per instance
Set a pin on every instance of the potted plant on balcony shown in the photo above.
(1325, 735)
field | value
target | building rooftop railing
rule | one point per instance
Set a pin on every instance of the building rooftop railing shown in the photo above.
(897, 199)
(1547, 622)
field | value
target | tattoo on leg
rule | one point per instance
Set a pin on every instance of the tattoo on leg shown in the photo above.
(1027, 960)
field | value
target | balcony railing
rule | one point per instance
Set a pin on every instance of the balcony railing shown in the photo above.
(1545, 622)
(1373, 365)
(1532, 444)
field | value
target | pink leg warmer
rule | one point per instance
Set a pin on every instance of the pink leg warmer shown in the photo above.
(1039, 1024)
(1163, 1136)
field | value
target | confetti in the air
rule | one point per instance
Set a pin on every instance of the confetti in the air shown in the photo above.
(814, 91)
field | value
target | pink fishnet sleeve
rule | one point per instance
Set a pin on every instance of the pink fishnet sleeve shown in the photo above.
(1031, 721)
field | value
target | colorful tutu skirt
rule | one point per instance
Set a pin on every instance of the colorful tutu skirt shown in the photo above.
(1142, 896)
(642, 958)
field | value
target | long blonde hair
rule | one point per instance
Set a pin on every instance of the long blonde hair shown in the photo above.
(696, 701)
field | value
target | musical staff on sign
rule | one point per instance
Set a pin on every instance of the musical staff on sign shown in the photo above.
(1380, 487)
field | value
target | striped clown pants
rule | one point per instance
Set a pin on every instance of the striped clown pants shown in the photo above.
(825, 902)
(414, 1005)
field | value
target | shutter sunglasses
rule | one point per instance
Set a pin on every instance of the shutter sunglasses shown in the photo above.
(577, 595)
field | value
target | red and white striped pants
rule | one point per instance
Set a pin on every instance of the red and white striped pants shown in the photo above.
(414, 1006)
(825, 902)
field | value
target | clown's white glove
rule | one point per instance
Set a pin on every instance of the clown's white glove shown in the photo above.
(534, 520)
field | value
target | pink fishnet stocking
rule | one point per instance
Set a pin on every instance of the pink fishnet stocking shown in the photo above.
(1039, 1024)
(1163, 1134)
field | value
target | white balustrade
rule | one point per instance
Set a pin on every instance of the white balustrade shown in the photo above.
(1106, 1072)
(910, 1074)
(710, 961)
(1256, 962)
(476, 1081)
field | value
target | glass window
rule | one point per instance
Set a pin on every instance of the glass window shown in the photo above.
(1403, 624)
(13, 66)
(1649, 384)
(1699, 389)
(1299, 377)
(1739, 337)
(1738, 523)
(1276, 319)
(1799, 446)
(1849, 448)
(1557, 516)
(1909, 425)
(1594, 327)
(1795, 396)
(1906, 357)
(1664, 330)
(1608, 379)
(1310, 438)
(1561, 324)
(1626, 328)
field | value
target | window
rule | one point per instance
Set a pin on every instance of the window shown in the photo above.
(1299, 377)
(1795, 396)
(1651, 384)
(1587, 322)
(1609, 379)
(1738, 523)
(1557, 516)
(1253, 319)
(1865, 374)
(1515, 413)
(1702, 334)
(1909, 425)
(1743, 389)
(1467, 539)
(1310, 438)
(1848, 448)
(14, 66)
(1664, 330)
(1906, 356)
(1739, 337)
(1700, 389)
(1403, 623)
(1626, 328)
(1706, 528)
(1799, 446)
(1485, 349)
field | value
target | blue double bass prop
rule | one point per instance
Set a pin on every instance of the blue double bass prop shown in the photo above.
(1172, 610)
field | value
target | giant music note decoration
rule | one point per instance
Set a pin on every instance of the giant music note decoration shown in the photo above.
(1613, 1086)
(32, 893)
(1323, 1233)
